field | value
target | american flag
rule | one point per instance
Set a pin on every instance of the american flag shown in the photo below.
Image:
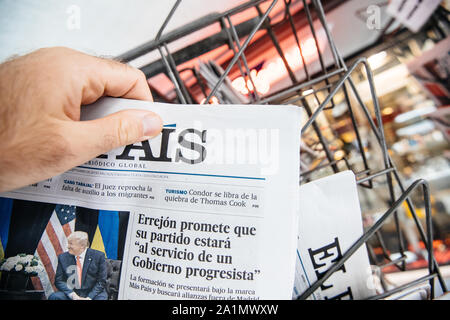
(54, 242)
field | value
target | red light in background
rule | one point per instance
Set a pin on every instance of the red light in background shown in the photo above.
(309, 49)
(239, 85)
(275, 69)
(213, 100)
(260, 79)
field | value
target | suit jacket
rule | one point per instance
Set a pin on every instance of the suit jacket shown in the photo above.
(93, 277)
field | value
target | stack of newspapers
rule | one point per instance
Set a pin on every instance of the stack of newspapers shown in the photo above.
(215, 207)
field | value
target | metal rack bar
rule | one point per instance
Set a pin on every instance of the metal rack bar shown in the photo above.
(173, 74)
(331, 79)
(297, 41)
(244, 45)
(166, 21)
(411, 284)
(183, 31)
(235, 37)
(432, 268)
(374, 175)
(358, 136)
(288, 91)
(379, 132)
(393, 262)
(316, 41)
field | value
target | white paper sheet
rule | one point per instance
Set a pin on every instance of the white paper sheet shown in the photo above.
(329, 223)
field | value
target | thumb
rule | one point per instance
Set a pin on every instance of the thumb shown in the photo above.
(89, 139)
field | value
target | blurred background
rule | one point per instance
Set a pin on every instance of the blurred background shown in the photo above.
(291, 58)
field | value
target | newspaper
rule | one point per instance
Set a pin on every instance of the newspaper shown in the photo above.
(330, 222)
(212, 201)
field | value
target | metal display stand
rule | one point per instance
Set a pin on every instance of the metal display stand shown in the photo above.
(316, 92)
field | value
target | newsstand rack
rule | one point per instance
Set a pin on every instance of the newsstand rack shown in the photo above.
(313, 87)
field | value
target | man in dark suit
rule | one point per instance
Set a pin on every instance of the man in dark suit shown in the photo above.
(81, 272)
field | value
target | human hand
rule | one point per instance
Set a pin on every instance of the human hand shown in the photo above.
(40, 98)
(74, 296)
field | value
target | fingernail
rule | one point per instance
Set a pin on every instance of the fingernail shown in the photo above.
(152, 125)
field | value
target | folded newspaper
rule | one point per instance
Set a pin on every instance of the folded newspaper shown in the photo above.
(212, 201)
(330, 222)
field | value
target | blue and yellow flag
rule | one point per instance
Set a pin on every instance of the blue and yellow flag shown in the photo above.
(106, 237)
(5, 219)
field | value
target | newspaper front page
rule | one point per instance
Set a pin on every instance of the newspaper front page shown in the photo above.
(212, 201)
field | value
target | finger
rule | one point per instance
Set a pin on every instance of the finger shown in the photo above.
(88, 139)
(111, 78)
